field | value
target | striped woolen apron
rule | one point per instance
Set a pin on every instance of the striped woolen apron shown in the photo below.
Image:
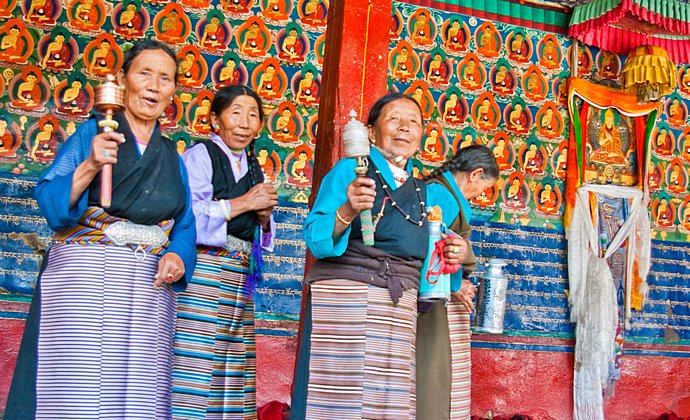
(215, 351)
(105, 342)
(362, 358)
(459, 326)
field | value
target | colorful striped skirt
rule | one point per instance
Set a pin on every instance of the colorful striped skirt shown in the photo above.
(362, 355)
(443, 362)
(215, 351)
(460, 337)
(105, 341)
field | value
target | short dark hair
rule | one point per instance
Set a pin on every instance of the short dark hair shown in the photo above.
(147, 45)
(468, 159)
(375, 111)
(227, 95)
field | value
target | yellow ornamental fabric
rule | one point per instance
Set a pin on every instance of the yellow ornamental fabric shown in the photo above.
(649, 65)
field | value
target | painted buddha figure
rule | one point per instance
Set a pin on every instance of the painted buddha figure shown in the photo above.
(471, 75)
(313, 14)
(229, 74)
(663, 143)
(86, 15)
(562, 163)
(487, 44)
(676, 179)
(685, 80)
(285, 128)
(518, 48)
(549, 54)
(73, 100)
(533, 161)
(213, 34)
(502, 154)
(455, 37)
(189, 71)
(268, 83)
(503, 80)
(101, 59)
(250, 43)
(12, 45)
(45, 144)
(685, 147)
(291, 47)
(57, 53)
(517, 118)
(609, 65)
(548, 200)
(433, 146)
(610, 143)
(40, 11)
(421, 30)
(307, 90)
(274, 10)
(676, 115)
(403, 65)
(29, 92)
(536, 86)
(172, 27)
(466, 139)
(8, 142)
(453, 110)
(686, 217)
(437, 72)
(423, 97)
(515, 196)
(486, 115)
(268, 163)
(301, 170)
(130, 21)
(664, 214)
(202, 113)
(547, 122)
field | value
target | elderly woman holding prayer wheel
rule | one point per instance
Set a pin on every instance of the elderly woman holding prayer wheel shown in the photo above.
(108, 286)
(357, 354)
(443, 332)
(215, 353)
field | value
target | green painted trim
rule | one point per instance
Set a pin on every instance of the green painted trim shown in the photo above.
(15, 298)
(266, 316)
(593, 10)
(509, 9)
(669, 9)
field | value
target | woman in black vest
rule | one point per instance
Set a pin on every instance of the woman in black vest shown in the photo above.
(357, 353)
(107, 291)
(215, 352)
(443, 331)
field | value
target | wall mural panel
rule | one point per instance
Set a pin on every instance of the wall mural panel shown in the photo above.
(53, 53)
(504, 86)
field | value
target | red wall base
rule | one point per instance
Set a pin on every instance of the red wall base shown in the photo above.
(538, 383)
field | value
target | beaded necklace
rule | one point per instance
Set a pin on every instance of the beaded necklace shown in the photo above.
(396, 206)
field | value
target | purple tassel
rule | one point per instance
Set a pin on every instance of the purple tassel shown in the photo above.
(255, 263)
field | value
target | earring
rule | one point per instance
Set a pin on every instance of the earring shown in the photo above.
(214, 127)
(372, 141)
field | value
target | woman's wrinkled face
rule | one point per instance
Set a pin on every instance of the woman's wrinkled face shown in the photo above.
(398, 129)
(239, 123)
(149, 84)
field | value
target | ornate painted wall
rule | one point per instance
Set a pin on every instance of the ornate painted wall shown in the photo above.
(504, 86)
(52, 55)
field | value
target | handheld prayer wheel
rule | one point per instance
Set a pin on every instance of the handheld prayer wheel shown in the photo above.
(109, 98)
(356, 144)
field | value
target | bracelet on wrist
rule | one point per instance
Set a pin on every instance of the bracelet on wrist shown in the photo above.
(337, 214)
(226, 208)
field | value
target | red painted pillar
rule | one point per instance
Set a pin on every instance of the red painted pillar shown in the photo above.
(355, 74)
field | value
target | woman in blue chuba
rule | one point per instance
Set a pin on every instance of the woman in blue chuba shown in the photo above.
(443, 331)
(98, 341)
(357, 355)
